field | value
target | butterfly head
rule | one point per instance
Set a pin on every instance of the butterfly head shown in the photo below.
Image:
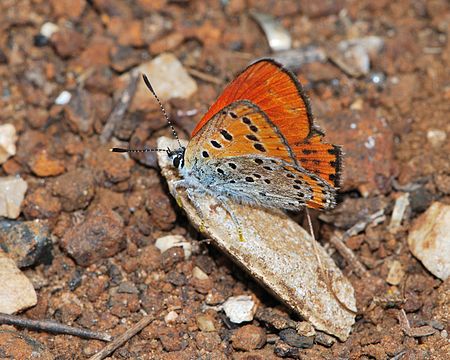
(177, 157)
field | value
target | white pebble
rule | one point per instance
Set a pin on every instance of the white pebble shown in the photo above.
(166, 242)
(12, 192)
(436, 137)
(48, 29)
(8, 138)
(239, 308)
(63, 98)
(171, 317)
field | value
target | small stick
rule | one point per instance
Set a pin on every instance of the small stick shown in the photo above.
(51, 326)
(338, 242)
(205, 77)
(120, 108)
(122, 339)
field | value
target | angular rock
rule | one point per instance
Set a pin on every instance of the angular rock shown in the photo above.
(16, 291)
(100, 236)
(40, 204)
(80, 112)
(43, 165)
(12, 192)
(429, 239)
(8, 138)
(169, 80)
(26, 242)
(68, 43)
(76, 189)
(205, 322)
(290, 337)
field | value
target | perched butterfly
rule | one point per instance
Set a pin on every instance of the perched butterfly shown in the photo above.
(258, 145)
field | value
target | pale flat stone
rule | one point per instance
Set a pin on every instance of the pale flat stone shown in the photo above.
(429, 239)
(169, 79)
(12, 192)
(8, 139)
(16, 291)
(276, 251)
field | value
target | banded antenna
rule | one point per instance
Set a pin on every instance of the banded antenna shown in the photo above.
(175, 135)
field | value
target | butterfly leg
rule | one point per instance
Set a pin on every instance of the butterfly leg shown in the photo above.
(190, 193)
(176, 185)
(224, 202)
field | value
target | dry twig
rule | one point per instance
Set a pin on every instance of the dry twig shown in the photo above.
(120, 108)
(122, 339)
(205, 77)
(51, 326)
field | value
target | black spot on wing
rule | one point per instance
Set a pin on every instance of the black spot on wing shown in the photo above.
(216, 144)
(226, 135)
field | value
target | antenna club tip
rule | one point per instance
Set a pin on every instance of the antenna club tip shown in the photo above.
(118, 150)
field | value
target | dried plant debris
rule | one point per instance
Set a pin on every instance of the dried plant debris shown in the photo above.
(277, 252)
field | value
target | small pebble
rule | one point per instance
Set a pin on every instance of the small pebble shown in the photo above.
(249, 337)
(171, 317)
(396, 273)
(205, 322)
(239, 308)
(48, 29)
(63, 98)
(166, 242)
(400, 206)
(8, 138)
(127, 287)
(304, 328)
(436, 137)
(290, 336)
(324, 339)
(16, 291)
(199, 274)
(40, 40)
(12, 192)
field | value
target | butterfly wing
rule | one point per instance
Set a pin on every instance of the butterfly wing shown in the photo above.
(238, 129)
(243, 155)
(278, 93)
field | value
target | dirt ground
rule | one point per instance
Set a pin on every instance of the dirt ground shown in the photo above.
(101, 213)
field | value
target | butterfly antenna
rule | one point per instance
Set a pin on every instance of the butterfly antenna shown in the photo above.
(123, 150)
(149, 86)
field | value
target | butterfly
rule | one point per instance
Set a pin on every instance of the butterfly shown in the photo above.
(258, 145)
